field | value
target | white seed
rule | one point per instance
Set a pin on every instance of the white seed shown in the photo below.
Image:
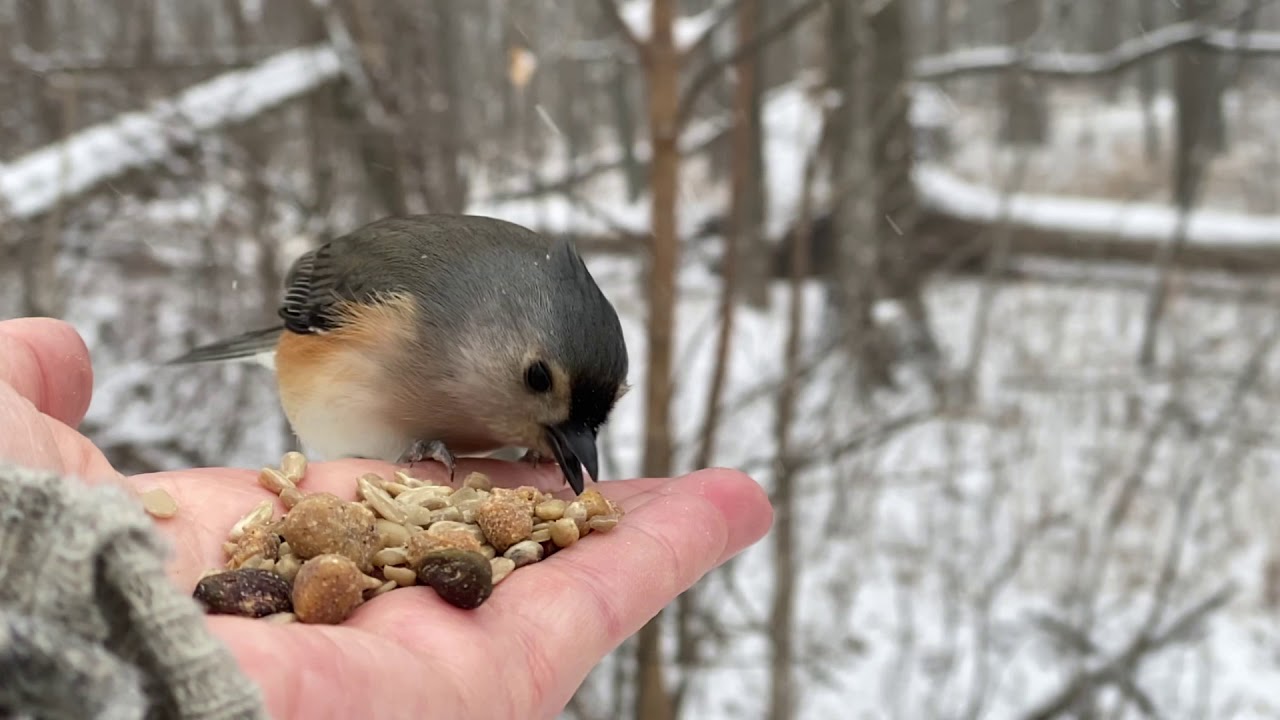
(380, 501)
(294, 466)
(394, 489)
(564, 532)
(287, 566)
(291, 497)
(259, 515)
(523, 553)
(159, 503)
(405, 478)
(549, 510)
(274, 480)
(402, 576)
(281, 618)
(501, 567)
(392, 534)
(603, 523)
(448, 514)
(463, 494)
(390, 556)
(382, 588)
(431, 497)
(444, 528)
(577, 512)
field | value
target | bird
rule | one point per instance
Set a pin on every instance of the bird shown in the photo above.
(437, 336)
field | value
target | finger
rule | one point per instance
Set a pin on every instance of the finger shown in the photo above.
(47, 362)
(556, 619)
(34, 440)
(588, 602)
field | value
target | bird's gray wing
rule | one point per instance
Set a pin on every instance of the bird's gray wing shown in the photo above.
(317, 283)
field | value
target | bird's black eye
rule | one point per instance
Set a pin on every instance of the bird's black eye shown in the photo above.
(538, 377)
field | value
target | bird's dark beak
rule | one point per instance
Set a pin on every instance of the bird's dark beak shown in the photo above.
(575, 448)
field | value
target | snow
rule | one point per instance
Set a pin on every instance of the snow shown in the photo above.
(34, 183)
(903, 541)
(685, 31)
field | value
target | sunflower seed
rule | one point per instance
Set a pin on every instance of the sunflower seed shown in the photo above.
(381, 502)
(259, 515)
(402, 576)
(159, 503)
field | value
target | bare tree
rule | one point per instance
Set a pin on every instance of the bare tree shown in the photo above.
(1025, 116)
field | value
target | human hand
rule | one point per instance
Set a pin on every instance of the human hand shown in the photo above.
(407, 653)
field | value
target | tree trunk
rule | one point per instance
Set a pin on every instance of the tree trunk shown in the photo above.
(747, 211)
(1198, 112)
(1147, 87)
(1107, 19)
(447, 116)
(897, 206)
(1025, 117)
(941, 21)
(46, 121)
(852, 281)
(652, 700)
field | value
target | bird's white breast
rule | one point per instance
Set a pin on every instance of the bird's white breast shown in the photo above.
(340, 409)
(343, 423)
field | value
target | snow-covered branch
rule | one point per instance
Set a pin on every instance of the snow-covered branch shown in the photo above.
(980, 60)
(1083, 217)
(32, 184)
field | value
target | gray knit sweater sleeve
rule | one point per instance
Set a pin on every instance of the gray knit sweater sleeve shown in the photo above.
(90, 626)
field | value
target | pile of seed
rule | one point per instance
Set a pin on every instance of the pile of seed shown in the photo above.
(325, 556)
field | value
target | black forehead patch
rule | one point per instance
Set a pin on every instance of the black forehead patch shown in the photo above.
(592, 400)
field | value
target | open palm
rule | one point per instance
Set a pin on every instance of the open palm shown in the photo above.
(407, 653)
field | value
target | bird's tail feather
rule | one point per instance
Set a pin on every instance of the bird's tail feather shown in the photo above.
(240, 347)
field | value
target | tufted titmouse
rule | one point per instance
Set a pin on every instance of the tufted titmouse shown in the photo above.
(424, 336)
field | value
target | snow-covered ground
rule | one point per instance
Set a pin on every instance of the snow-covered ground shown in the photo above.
(936, 561)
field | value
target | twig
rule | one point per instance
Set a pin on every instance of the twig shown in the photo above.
(723, 14)
(1124, 662)
(610, 10)
(708, 73)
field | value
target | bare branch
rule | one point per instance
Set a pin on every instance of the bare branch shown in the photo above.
(610, 10)
(1122, 665)
(723, 14)
(353, 69)
(707, 74)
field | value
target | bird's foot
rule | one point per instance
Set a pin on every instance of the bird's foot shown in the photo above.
(533, 457)
(430, 449)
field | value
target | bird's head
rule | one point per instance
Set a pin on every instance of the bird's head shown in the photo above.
(553, 365)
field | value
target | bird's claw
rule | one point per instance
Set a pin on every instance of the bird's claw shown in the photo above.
(533, 457)
(430, 449)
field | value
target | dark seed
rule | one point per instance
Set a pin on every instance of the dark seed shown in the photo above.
(247, 592)
(464, 578)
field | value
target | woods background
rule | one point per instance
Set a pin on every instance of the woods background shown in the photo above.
(983, 291)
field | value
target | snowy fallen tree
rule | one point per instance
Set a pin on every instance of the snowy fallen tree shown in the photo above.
(958, 213)
(34, 183)
(1066, 66)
